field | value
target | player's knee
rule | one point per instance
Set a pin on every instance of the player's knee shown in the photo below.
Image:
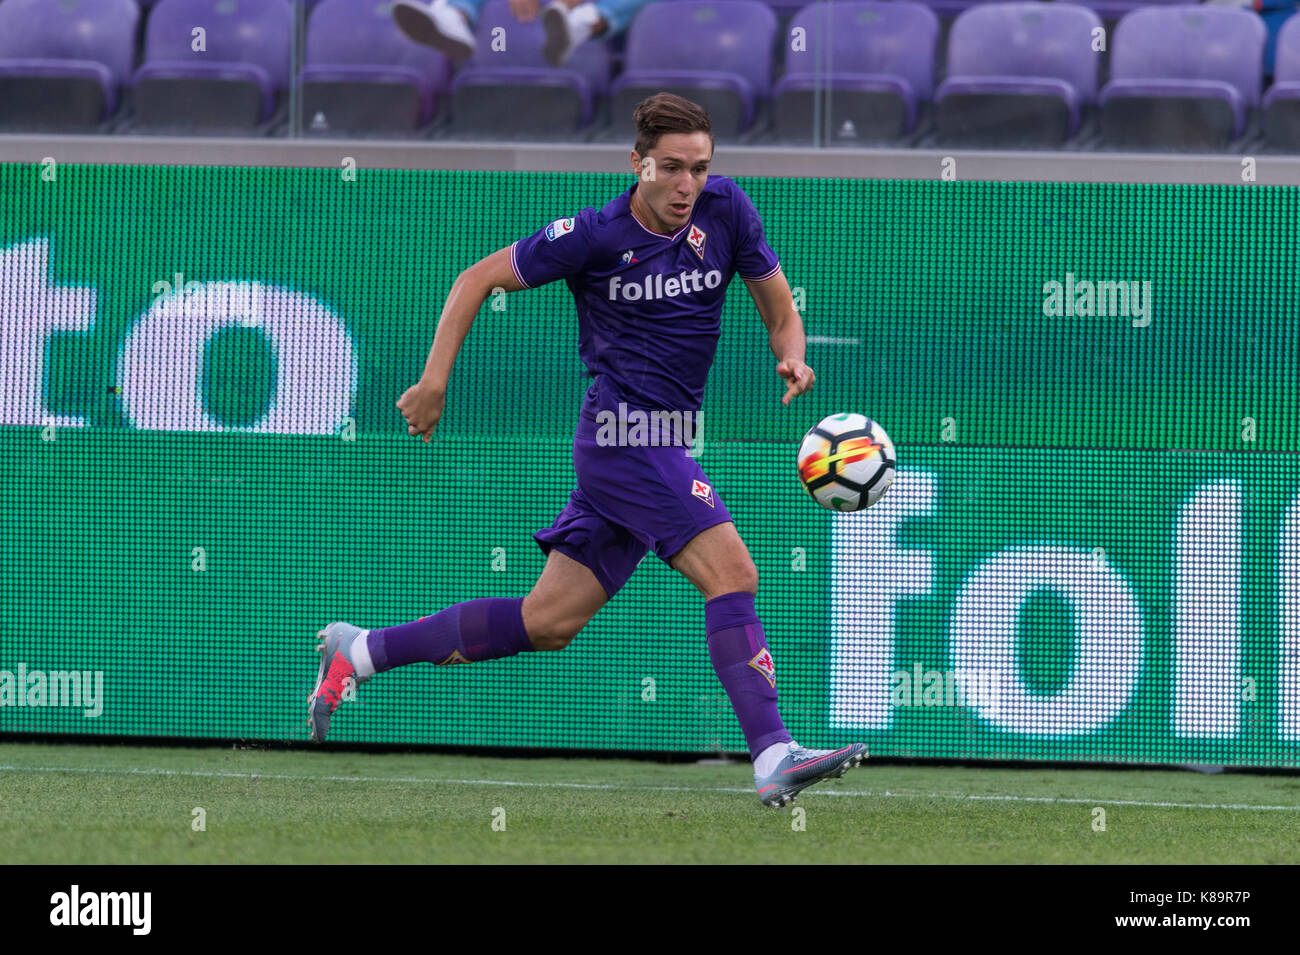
(738, 575)
(740, 578)
(548, 641)
(745, 577)
(555, 634)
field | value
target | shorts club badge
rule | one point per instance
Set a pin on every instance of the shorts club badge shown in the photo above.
(703, 492)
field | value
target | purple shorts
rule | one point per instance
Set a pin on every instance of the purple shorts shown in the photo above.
(630, 500)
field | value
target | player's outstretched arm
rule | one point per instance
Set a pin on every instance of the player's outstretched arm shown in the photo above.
(784, 333)
(423, 403)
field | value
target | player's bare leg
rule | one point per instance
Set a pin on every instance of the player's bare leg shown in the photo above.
(564, 598)
(717, 562)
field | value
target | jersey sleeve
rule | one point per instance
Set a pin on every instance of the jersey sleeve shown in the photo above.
(558, 251)
(754, 258)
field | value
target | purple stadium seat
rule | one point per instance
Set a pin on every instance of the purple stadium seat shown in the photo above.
(62, 62)
(512, 93)
(878, 65)
(363, 76)
(715, 52)
(1282, 101)
(1183, 77)
(233, 83)
(1019, 74)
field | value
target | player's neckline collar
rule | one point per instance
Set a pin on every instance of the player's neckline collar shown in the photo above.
(658, 235)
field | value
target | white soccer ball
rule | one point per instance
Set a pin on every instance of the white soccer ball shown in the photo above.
(846, 462)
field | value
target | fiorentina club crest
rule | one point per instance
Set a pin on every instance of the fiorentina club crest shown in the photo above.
(695, 238)
(703, 492)
(764, 665)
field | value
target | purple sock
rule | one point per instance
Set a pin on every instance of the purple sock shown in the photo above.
(467, 632)
(740, 656)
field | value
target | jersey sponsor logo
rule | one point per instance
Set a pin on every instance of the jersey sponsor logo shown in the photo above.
(628, 257)
(764, 664)
(702, 491)
(695, 239)
(663, 286)
(558, 228)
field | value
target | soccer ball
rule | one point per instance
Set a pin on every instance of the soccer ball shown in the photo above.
(846, 462)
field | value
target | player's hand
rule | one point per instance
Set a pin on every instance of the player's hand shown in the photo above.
(525, 11)
(798, 378)
(422, 407)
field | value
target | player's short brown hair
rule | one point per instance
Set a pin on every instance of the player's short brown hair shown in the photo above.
(667, 113)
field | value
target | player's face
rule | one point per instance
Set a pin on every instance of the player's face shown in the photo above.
(673, 178)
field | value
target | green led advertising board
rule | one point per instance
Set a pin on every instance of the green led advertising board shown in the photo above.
(1091, 550)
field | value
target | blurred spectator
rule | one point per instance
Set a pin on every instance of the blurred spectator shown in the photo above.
(1274, 13)
(448, 25)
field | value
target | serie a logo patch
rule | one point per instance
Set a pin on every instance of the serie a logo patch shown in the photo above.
(764, 664)
(702, 491)
(558, 228)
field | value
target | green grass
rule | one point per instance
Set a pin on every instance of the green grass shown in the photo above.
(89, 804)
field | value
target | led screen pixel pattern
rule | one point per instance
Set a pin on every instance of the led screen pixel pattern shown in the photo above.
(1091, 550)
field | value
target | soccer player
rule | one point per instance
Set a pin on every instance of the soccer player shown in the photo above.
(648, 274)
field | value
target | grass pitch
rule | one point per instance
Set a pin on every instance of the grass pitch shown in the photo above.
(119, 804)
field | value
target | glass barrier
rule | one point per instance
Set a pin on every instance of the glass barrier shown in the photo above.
(1097, 75)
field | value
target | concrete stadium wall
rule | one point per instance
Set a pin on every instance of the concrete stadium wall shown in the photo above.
(1226, 169)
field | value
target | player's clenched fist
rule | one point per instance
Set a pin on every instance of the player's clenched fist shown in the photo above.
(422, 407)
(798, 378)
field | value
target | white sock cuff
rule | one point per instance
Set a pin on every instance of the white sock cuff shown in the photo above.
(365, 667)
(768, 759)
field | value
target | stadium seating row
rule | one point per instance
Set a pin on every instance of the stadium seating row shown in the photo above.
(1181, 77)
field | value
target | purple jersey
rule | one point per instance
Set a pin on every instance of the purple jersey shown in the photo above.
(649, 305)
